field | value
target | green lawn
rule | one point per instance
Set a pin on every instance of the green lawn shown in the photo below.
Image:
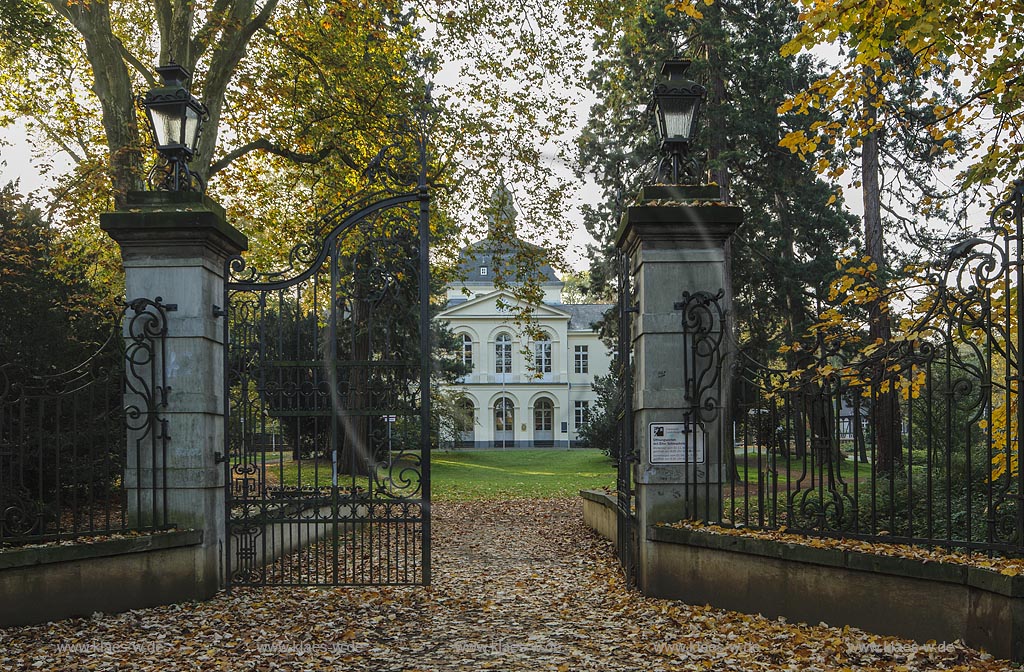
(518, 474)
(468, 475)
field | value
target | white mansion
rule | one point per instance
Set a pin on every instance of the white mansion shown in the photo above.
(518, 399)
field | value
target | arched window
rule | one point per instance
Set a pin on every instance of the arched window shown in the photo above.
(503, 353)
(504, 421)
(542, 354)
(467, 352)
(465, 419)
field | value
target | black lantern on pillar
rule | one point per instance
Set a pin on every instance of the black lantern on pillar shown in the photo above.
(677, 103)
(176, 121)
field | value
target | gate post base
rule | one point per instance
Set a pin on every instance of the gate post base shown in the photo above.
(174, 245)
(678, 262)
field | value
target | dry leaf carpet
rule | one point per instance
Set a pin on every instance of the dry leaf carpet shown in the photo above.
(518, 585)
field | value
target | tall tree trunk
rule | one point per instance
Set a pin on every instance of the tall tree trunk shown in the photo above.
(113, 88)
(884, 412)
(720, 174)
(227, 31)
(230, 48)
(796, 316)
(174, 20)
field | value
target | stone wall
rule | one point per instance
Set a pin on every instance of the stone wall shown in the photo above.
(599, 513)
(886, 595)
(48, 583)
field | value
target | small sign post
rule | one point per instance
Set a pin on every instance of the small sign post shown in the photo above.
(391, 419)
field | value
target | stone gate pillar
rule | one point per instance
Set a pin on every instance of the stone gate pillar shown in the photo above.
(675, 242)
(174, 246)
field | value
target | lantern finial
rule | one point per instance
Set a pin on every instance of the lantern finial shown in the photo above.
(176, 120)
(677, 103)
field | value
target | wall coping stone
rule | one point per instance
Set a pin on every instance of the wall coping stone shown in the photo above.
(975, 577)
(45, 555)
(600, 496)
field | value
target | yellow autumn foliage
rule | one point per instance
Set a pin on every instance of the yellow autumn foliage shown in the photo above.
(980, 317)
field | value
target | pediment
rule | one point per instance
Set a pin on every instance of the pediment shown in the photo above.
(487, 306)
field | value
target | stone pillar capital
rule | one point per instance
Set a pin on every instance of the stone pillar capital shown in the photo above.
(670, 217)
(172, 224)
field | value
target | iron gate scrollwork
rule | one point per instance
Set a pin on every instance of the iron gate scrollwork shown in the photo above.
(77, 446)
(909, 439)
(327, 447)
(704, 371)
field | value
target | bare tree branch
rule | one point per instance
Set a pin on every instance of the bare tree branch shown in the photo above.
(139, 66)
(56, 139)
(204, 36)
(265, 145)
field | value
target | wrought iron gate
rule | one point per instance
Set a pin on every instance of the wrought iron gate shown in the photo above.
(626, 458)
(327, 444)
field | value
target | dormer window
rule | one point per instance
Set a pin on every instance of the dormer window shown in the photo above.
(483, 270)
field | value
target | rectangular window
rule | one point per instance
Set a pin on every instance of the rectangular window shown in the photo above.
(542, 356)
(542, 419)
(483, 270)
(582, 359)
(582, 409)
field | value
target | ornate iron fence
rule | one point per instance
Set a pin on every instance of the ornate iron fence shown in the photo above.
(66, 469)
(332, 355)
(913, 438)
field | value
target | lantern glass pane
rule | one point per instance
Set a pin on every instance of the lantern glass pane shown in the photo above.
(166, 122)
(678, 111)
(192, 119)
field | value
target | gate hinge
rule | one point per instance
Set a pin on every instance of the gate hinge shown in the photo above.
(219, 458)
(218, 311)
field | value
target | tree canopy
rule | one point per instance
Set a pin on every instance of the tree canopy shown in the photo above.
(302, 95)
(793, 229)
(971, 48)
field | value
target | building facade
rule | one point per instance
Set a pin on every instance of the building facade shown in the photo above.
(522, 390)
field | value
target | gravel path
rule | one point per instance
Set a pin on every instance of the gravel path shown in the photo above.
(517, 586)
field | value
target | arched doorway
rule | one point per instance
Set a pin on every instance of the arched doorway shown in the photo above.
(466, 423)
(543, 422)
(504, 422)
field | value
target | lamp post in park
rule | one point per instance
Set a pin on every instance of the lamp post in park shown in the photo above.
(174, 243)
(176, 120)
(677, 103)
(673, 247)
